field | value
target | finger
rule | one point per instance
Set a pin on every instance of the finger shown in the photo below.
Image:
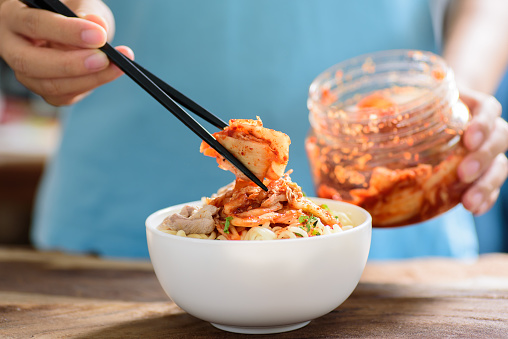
(484, 111)
(63, 87)
(103, 23)
(66, 100)
(475, 163)
(98, 20)
(41, 62)
(98, 9)
(65, 91)
(490, 201)
(483, 193)
(45, 25)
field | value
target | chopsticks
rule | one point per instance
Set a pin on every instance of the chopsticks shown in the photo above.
(166, 95)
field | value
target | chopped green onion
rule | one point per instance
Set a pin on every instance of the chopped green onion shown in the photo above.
(325, 206)
(303, 218)
(226, 225)
(309, 221)
(312, 222)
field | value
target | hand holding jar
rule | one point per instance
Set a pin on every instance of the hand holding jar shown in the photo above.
(387, 135)
(486, 139)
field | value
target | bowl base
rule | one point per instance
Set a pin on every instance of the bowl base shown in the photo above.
(261, 329)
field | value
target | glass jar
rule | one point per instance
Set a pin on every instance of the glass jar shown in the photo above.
(386, 134)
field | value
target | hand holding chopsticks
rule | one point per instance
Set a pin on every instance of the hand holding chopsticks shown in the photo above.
(166, 95)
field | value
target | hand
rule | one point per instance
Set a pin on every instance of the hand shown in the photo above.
(55, 56)
(486, 139)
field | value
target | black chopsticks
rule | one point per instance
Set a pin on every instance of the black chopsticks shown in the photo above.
(166, 95)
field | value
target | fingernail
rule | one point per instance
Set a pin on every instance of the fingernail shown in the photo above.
(470, 169)
(92, 37)
(476, 139)
(476, 199)
(96, 61)
(483, 208)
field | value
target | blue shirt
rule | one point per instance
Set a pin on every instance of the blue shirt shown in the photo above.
(123, 156)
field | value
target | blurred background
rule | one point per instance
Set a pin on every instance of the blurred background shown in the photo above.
(29, 134)
(29, 130)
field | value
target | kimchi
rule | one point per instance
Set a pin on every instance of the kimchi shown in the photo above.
(242, 210)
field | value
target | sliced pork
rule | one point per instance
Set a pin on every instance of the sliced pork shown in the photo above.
(192, 220)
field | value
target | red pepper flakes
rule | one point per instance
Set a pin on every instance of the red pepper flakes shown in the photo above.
(327, 97)
(438, 74)
(376, 100)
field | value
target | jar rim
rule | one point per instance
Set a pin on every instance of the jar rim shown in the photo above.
(431, 60)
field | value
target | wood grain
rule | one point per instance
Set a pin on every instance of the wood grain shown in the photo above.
(55, 295)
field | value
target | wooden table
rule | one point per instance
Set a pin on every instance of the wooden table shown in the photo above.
(55, 295)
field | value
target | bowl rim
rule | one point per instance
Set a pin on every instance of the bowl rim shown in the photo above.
(153, 228)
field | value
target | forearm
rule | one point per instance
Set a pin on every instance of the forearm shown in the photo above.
(476, 42)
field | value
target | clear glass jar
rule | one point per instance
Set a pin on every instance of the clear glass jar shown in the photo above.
(386, 134)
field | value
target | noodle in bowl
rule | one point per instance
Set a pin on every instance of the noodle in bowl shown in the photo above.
(264, 286)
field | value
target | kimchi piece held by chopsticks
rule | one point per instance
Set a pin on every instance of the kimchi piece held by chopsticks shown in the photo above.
(265, 152)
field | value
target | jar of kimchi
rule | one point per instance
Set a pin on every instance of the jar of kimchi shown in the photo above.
(386, 134)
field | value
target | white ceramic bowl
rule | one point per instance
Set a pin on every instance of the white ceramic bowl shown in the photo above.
(260, 286)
